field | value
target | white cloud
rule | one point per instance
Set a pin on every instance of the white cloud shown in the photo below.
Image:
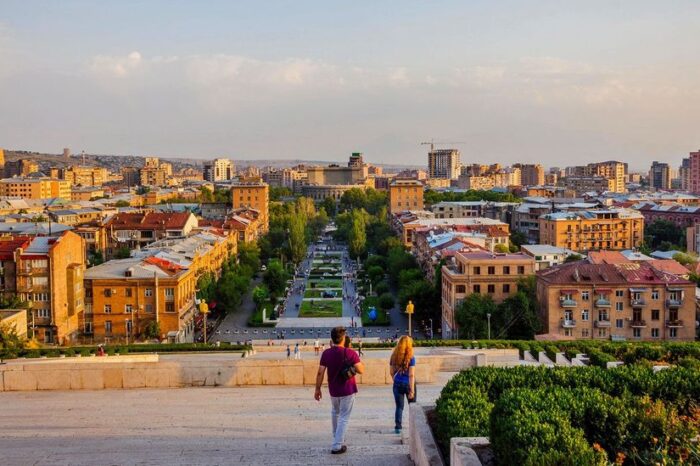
(116, 67)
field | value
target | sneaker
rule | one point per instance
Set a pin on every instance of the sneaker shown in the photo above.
(340, 451)
(397, 430)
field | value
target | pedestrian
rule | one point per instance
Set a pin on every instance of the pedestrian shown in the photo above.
(317, 346)
(359, 347)
(289, 352)
(403, 371)
(297, 351)
(342, 364)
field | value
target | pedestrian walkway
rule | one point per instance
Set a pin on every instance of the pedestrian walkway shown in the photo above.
(197, 426)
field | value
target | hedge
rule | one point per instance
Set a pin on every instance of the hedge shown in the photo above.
(577, 415)
(72, 351)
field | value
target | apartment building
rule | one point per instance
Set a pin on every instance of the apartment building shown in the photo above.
(444, 163)
(48, 273)
(254, 195)
(405, 226)
(660, 176)
(495, 275)
(20, 168)
(219, 170)
(593, 229)
(464, 209)
(623, 301)
(135, 230)
(124, 296)
(589, 183)
(405, 195)
(81, 176)
(155, 172)
(545, 255)
(531, 174)
(35, 188)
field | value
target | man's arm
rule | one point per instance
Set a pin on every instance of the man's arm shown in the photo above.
(360, 367)
(319, 381)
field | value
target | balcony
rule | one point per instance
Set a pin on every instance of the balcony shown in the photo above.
(674, 323)
(638, 323)
(674, 302)
(638, 302)
(568, 323)
(602, 302)
(602, 323)
(568, 302)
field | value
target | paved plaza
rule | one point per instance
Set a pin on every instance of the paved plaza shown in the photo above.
(196, 426)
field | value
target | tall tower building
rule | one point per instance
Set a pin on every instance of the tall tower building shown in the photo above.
(531, 175)
(219, 170)
(2, 161)
(444, 163)
(695, 172)
(684, 174)
(660, 176)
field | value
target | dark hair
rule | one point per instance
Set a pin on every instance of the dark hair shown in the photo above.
(347, 342)
(338, 335)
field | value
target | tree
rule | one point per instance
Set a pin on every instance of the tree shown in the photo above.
(329, 206)
(297, 238)
(275, 278)
(96, 258)
(206, 287)
(122, 203)
(122, 253)
(260, 295)
(663, 231)
(10, 343)
(249, 256)
(471, 316)
(501, 248)
(386, 301)
(205, 194)
(357, 237)
(518, 238)
(375, 274)
(685, 258)
(353, 199)
(152, 329)
(516, 318)
(277, 193)
(573, 258)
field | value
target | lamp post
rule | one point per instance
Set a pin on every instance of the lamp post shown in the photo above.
(488, 319)
(431, 328)
(409, 311)
(204, 310)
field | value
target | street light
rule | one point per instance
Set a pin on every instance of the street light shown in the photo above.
(204, 310)
(409, 311)
(488, 318)
(431, 328)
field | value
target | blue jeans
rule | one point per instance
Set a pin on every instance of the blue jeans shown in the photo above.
(400, 393)
(341, 410)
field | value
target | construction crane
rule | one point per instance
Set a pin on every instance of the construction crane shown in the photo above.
(432, 144)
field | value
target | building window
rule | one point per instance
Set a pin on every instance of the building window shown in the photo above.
(108, 293)
(584, 315)
(148, 292)
(477, 270)
(584, 295)
(87, 328)
(491, 288)
(568, 332)
(673, 333)
(506, 288)
(655, 294)
(492, 270)
(108, 308)
(170, 307)
(43, 313)
(506, 270)
(108, 327)
(620, 293)
(461, 289)
(128, 308)
(619, 323)
(128, 292)
(170, 293)
(655, 333)
(585, 333)
(637, 332)
(602, 332)
(149, 308)
(619, 306)
(655, 314)
(521, 270)
(477, 288)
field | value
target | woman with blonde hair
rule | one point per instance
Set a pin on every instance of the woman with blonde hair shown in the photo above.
(403, 371)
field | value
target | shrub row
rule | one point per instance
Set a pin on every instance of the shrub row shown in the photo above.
(579, 415)
(123, 349)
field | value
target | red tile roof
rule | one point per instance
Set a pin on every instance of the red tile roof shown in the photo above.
(607, 257)
(149, 220)
(9, 244)
(583, 272)
(165, 265)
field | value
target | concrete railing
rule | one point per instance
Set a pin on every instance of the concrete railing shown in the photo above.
(423, 447)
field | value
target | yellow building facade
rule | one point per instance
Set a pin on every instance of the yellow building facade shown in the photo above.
(593, 229)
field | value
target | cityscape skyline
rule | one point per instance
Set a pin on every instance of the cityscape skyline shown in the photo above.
(292, 81)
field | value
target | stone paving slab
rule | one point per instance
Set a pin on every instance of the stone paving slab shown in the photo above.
(196, 426)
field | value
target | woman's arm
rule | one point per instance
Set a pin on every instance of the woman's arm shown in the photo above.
(411, 381)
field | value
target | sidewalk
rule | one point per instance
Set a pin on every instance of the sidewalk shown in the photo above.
(198, 426)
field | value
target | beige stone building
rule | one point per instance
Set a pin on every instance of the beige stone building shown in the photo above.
(35, 188)
(405, 195)
(624, 301)
(495, 275)
(253, 194)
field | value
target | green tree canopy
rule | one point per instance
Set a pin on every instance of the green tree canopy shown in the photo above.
(663, 232)
(275, 278)
(471, 316)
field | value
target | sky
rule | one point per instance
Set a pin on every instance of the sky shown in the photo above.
(551, 82)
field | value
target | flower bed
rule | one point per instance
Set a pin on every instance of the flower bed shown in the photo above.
(579, 415)
(321, 308)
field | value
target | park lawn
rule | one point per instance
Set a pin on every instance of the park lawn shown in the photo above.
(325, 283)
(382, 316)
(316, 293)
(321, 308)
(255, 319)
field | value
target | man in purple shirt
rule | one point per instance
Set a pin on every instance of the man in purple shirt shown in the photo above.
(342, 391)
